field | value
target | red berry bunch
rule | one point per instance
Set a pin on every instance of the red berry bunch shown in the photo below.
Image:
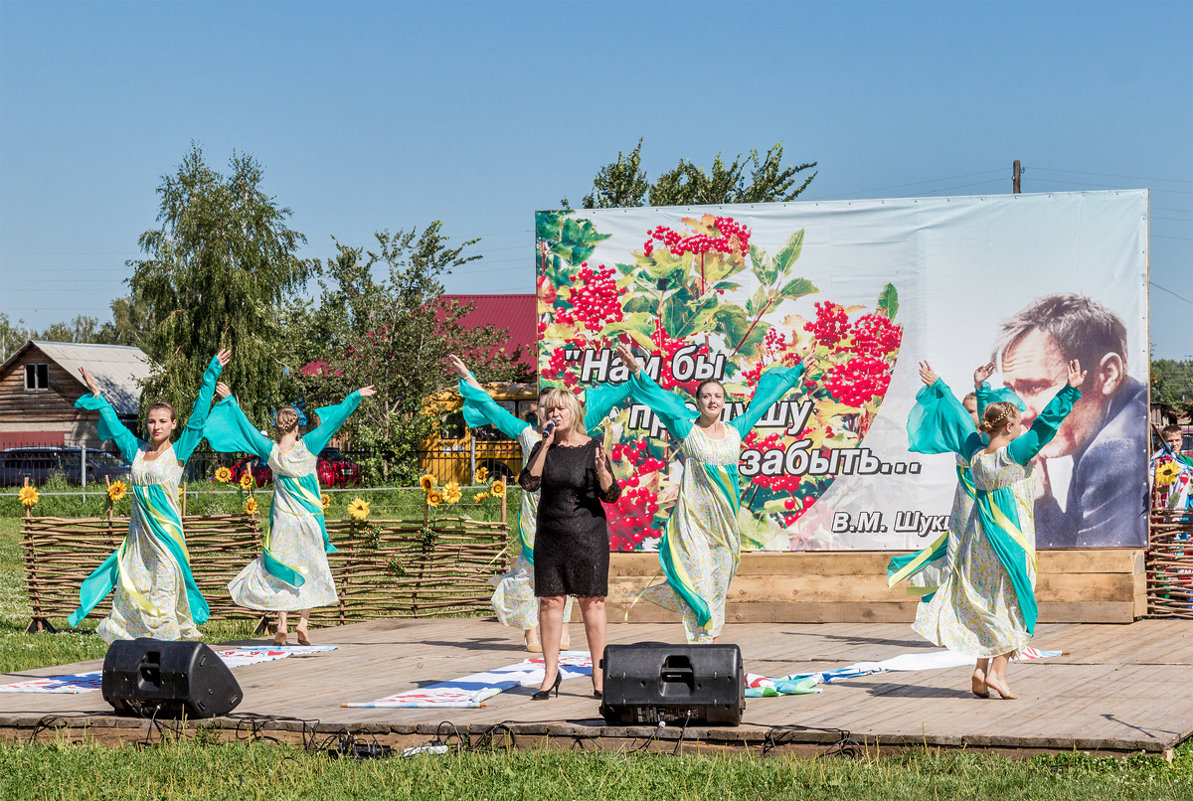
(732, 237)
(638, 504)
(858, 380)
(595, 300)
(831, 324)
(875, 334)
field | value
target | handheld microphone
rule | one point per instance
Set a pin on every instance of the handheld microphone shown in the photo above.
(547, 429)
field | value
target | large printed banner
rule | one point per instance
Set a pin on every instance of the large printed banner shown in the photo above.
(861, 292)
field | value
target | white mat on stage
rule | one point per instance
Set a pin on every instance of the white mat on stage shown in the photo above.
(92, 680)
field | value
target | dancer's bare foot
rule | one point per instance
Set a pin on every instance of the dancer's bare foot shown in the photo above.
(301, 634)
(978, 684)
(279, 638)
(533, 645)
(995, 683)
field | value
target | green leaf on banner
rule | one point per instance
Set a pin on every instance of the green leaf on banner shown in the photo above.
(888, 301)
(791, 251)
(798, 288)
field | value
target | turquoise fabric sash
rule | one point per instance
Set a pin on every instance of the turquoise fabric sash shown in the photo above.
(164, 522)
(724, 478)
(304, 493)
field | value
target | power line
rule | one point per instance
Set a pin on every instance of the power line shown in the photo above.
(1113, 175)
(1170, 292)
(914, 183)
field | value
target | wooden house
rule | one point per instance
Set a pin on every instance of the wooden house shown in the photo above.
(40, 383)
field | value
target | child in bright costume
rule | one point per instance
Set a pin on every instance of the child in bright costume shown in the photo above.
(1171, 473)
(986, 606)
(514, 600)
(155, 592)
(292, 571)
(701, 544)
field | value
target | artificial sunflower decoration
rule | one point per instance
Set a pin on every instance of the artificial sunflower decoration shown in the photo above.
(250, 506)
(326, 501)
(451, 492)
(223, 475)
(117, 490)
(497, 488)
(28, 496)
(246, 480)
(480, 496)
(1166, 474)
(427, 482)
(434, 498)
(481, 475)
(358, 509)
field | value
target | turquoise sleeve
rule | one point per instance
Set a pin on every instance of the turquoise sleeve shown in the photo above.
(669, 407)
(938, 423)
(192, 434)
(986, 396)
(110, 426)
(1024, 448)
(600, 400)
(480, 410)
(330, 420)
(229, 431)
(772, 386)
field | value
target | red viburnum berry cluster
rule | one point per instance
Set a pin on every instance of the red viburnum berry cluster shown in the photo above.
(595, 299)
(858, 380)
(782, 482)
(638, 504)
(774, 345)
(798, 508)
(876, 334)
(831, 324)
(733, 237)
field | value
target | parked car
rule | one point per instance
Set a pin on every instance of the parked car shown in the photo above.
(334, 470)
(38, 463)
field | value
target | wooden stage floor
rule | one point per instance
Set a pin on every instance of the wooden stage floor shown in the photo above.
(1121, 688)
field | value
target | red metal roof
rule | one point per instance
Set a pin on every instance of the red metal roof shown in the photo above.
(515, 313)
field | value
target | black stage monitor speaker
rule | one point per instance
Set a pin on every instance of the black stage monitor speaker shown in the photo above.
(145, 677)
(649, 683)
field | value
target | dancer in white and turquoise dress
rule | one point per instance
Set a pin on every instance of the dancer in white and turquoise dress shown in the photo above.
(939, 423)
(514, 600)
(155, 593)
(292, 573)
(986, 607)
(701, 544)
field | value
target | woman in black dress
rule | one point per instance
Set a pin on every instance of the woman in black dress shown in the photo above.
(571, 546)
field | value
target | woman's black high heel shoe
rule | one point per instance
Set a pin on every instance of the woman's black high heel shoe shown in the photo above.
(543, 695)
(597, 694)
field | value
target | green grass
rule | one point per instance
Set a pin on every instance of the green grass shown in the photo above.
(192, 770)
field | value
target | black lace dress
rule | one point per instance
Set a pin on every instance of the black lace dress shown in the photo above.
(571, 543)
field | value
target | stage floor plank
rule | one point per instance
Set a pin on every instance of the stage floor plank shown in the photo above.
(1118, 689)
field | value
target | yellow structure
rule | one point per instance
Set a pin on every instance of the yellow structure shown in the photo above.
(454, 451)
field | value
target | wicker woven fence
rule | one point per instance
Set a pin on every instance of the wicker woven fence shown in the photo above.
(384, 568)
(1170, 564)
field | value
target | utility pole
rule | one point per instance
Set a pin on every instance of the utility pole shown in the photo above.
(1016, 171)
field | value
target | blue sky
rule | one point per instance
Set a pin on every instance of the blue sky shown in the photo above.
(368, 116)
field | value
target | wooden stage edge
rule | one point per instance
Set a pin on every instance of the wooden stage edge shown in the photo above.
(1111, 693)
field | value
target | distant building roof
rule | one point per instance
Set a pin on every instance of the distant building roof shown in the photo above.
(117, 369)
(518, 314)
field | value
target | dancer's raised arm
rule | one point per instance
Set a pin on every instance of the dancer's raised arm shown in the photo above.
(938, 423)
(192, 433)
(109, 426)
(331, 418)
(229, 431)
(772, 386)
(479, 407)
(1026, 446)
(667, 406)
